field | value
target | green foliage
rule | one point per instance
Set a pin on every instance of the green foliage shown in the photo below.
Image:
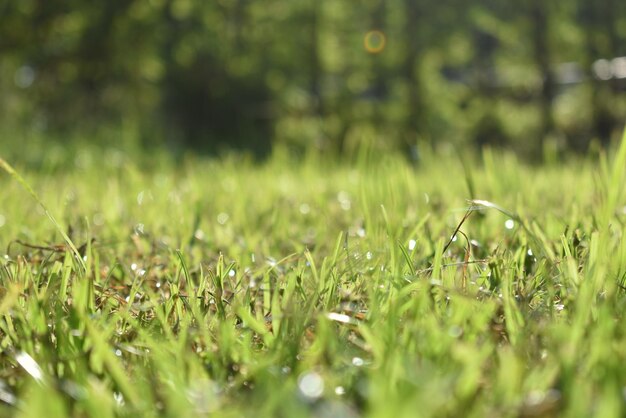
(227, 288)
(318, 74)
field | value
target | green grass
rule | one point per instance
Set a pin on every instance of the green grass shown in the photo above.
(226, 288)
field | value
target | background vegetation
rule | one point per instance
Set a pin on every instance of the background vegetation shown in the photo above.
(536, 74)
(223, 288)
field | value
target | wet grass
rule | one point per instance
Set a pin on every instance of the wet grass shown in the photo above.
(226, 288)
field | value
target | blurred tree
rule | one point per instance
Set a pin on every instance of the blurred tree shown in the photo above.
(600, 20)
(416, 118)
(539, 13)
(244, 74)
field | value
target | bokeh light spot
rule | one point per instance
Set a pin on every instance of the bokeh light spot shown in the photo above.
(24, 77)
(311, 385)
(374, 41)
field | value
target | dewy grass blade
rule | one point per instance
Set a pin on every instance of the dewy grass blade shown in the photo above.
(477, 204)
(615, 182)
(407, 258)
(30, 366)
(183, 265)
(145, 341)
(11, 171)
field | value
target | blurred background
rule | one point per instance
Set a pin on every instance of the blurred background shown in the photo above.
(532, 75)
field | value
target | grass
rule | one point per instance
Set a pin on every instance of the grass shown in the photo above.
(226, 288)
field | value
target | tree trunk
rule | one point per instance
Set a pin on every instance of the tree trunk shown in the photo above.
(540, 15)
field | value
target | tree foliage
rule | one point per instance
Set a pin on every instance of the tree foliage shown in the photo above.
(321, 73)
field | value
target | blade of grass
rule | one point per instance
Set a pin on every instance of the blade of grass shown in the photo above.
(615, 183)
(407, 258)
(458, 227)
(16, 176)
(478, 204)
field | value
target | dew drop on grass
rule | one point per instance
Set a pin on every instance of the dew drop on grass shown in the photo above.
(305, 209)
(538, 397)
(311, 385)
(98, 219)
(357, 361)
(6, 396)
(119, 398)
(222, 218)
(455, 331)
(343, 318)
(509, 224)
(118, 352)
(231, 273)
(203, 396)
(30, 365)
(340, 390)
(412, 244)
(368, 255)
(344, 200)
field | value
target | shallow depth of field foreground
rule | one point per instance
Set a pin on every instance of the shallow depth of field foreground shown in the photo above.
(143, 287)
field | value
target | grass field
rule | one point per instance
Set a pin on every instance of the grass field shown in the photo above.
(283, 289)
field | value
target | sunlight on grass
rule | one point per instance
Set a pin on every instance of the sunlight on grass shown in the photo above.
(226, 288)
(11, 171)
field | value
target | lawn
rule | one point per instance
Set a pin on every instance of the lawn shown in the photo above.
(136, 285)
